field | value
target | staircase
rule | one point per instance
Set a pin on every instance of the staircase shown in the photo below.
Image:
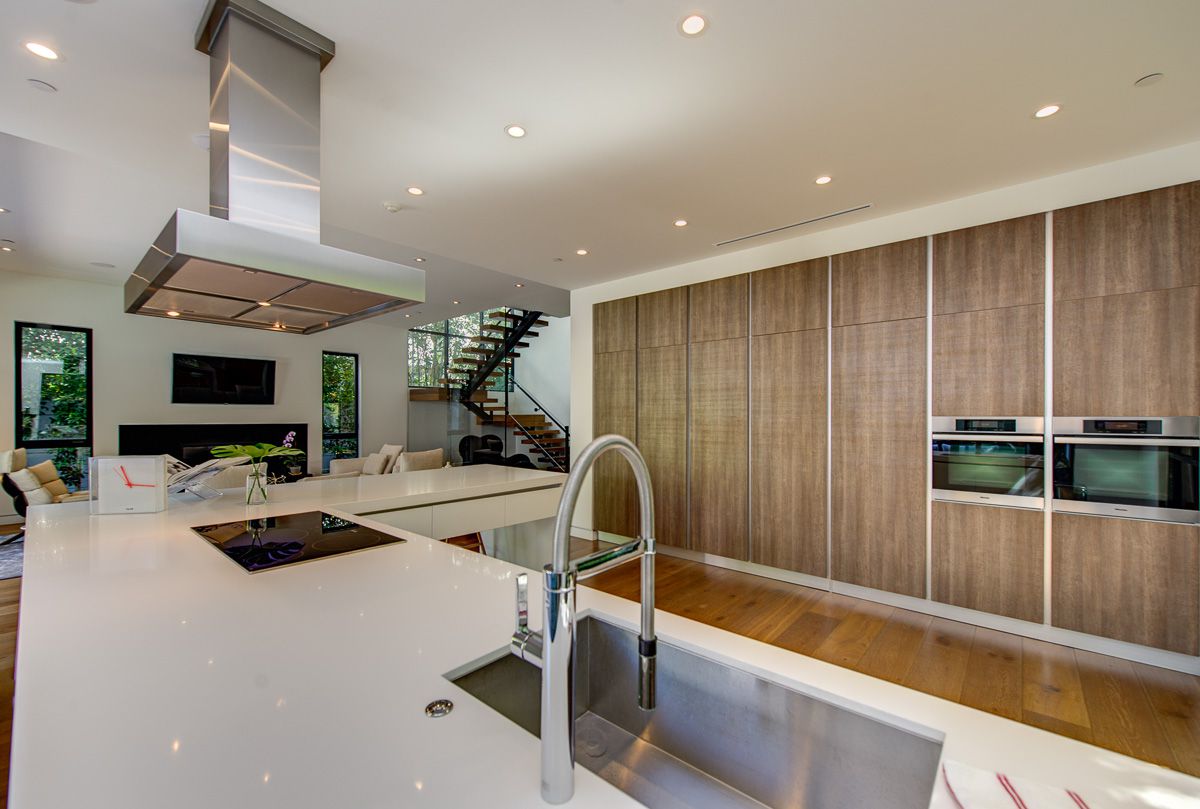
(486, 361)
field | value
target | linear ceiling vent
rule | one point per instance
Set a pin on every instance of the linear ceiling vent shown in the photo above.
(795, 225)
(256, 260)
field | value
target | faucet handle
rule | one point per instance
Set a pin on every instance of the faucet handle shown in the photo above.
(522, 602)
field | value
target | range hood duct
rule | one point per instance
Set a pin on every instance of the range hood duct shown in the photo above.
(256, 260)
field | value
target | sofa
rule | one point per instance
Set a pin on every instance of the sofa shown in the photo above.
(390, 459)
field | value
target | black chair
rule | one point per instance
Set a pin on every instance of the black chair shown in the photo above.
(19, 503)
(479, 449)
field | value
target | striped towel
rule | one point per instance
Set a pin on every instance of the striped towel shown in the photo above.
(973, 788)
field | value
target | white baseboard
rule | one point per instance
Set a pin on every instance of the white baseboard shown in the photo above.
(1051, 634)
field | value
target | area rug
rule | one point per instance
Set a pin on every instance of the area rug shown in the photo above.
(12, 557)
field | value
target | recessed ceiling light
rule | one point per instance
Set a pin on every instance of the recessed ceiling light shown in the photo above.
(515, 131)
(824, 179)
(408, 315)
(681, 223)
(5, 210)
(693, 25)
(416, 192)
(102, 264)
(264, 303)
(581, 252)
(1047, 111)
(43, 86)
(44, 51)
(1146, 81)
(418, 258)
(454, 302)
(7, 245)
(391, 207)
(172, 313)
(519, 286)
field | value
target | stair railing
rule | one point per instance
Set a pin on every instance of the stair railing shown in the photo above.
(564, 429)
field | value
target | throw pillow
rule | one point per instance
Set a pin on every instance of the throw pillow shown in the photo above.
(45, 472)
(375, 464)
(414, 461)
(393, 452)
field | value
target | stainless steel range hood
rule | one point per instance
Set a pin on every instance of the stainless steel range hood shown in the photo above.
(256, 260)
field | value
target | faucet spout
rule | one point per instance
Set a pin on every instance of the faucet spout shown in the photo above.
(558, 627)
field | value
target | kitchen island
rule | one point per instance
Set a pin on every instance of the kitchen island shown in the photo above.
(154, 672)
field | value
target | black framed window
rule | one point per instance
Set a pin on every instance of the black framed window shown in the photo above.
(432, 348)
(54, 397)
(339, 406)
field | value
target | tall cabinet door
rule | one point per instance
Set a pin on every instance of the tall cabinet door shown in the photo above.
(789, 409)
(718, 388)
(662, 408)
(879, 441)
(614, 403)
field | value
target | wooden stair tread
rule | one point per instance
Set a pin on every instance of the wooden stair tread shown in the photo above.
(514, 316)
(497, 341)
(548, 443)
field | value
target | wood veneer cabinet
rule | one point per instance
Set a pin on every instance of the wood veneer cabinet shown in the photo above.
(662, 318)
(1128, 355)
(718, 389)
(788, 451)
(720, 309)
(614, 326)
(989, 559)
(990, 266)
(879, 450)
(662, 436)
(793, 297)
(1134, 243)
(879, 283)
(614, 404)
(1132, 580)
(989, 362)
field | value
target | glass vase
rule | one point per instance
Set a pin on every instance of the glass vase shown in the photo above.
(256, 484)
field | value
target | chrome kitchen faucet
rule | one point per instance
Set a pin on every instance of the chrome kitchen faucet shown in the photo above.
(553, 649)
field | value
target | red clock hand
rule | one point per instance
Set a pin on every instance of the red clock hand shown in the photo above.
(124, 474)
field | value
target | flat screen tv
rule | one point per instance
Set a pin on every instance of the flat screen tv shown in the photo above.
(197, 379)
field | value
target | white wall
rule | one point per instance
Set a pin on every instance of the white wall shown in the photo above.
(132, 365)
(1140, 173)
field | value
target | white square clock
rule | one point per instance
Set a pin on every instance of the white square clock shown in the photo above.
(128, 484)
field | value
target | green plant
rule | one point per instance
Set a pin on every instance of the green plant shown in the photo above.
(255, 452)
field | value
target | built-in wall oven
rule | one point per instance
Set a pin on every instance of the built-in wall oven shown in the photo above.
(1143, 468)
(991, 460)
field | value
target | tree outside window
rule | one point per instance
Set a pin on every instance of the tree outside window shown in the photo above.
(339, 406)
(54, 401)
(434, 346)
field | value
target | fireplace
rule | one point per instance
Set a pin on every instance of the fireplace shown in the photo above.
(193, 443)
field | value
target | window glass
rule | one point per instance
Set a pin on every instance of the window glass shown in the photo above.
(54, 401)
(339, 407)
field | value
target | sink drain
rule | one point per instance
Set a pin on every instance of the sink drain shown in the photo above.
(439, 708)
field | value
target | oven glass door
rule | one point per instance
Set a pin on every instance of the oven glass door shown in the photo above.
(1128, 478)
(989, 469)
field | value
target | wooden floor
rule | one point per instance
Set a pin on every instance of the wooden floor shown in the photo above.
(1141, 711)
(10, 596)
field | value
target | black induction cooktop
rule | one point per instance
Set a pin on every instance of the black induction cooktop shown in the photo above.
(289, 539)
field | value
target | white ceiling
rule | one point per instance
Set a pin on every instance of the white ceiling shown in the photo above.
(631, 125)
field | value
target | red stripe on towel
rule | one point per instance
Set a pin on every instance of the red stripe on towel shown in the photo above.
(950, 788)
(1011, 790)
(1080, 802)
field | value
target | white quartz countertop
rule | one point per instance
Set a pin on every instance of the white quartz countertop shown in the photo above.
(154, 672)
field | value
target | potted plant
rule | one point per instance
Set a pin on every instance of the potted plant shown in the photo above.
(256, 481)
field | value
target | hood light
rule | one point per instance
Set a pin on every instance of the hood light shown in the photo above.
(44, 51)
(172, 313)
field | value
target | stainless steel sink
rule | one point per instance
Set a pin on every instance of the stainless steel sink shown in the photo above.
(720, 736)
